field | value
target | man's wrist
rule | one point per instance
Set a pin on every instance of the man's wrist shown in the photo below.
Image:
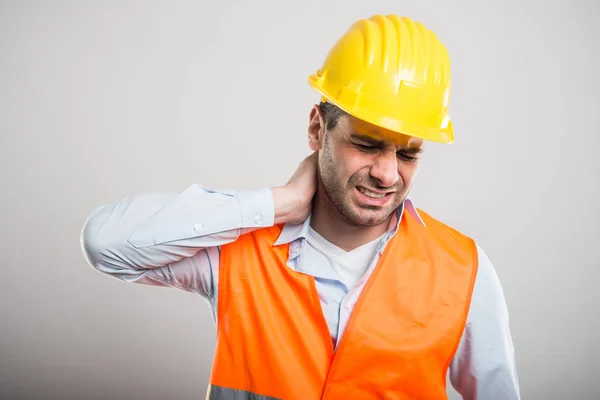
(285, 204)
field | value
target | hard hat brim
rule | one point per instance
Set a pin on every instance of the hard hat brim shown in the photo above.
(443, 134)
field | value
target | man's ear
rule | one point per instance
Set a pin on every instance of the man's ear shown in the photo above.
(316, 128)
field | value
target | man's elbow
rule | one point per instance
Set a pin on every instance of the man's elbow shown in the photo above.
(95, 245)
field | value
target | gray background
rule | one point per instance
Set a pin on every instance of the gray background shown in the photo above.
(100, 100)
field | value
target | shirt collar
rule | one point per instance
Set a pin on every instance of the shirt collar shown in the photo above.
(292, 232)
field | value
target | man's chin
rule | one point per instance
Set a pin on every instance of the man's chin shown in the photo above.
(370, 217)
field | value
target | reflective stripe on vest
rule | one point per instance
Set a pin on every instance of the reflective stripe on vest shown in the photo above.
(221, 393)
(272, 337)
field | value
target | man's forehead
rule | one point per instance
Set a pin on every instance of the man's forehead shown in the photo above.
(361, 129)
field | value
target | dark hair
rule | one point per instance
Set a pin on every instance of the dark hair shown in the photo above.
(331, 114)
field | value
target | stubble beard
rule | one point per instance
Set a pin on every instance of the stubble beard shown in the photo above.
(338, 202)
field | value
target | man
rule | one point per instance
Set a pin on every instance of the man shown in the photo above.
(333, 286)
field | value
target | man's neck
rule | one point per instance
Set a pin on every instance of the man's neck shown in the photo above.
(329, 223)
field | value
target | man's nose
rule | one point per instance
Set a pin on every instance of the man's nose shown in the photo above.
(385, 169)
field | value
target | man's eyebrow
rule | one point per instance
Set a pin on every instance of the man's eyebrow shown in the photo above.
(411, 150)
(381, 143)
(367, 139)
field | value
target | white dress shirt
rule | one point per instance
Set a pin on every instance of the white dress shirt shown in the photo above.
(174, 240)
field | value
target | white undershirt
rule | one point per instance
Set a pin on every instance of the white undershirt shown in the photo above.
(347, 266)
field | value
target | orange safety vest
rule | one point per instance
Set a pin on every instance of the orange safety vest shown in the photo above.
(273, 341)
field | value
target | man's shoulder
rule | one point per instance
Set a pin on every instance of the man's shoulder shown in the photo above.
(438, 223)
(266, 233)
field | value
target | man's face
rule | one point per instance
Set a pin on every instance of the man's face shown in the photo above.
(366, 171)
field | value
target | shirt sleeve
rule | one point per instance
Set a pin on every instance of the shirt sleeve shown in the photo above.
(172, 239)
(484, 366)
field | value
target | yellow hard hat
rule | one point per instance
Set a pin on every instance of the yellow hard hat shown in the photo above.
(392, 72)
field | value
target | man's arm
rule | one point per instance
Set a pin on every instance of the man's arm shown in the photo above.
(484, 366)
(174, 239)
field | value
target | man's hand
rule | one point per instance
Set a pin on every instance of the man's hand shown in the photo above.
(293, 201)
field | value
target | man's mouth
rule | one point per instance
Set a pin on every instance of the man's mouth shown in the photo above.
(371, 193)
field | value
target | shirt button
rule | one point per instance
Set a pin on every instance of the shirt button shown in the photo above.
(258, 219)
(198, 227)
(296, 247)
